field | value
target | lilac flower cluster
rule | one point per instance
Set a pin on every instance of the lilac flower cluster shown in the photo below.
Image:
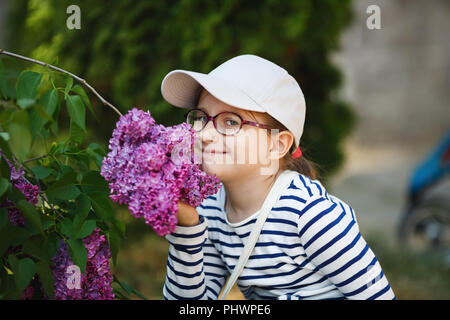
(95, 284)
(15, 216)
(151, 167)
(30, 192)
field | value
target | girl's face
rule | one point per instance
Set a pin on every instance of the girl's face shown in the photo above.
(233, 157)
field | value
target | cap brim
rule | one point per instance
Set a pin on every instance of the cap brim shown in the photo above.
(182, 88)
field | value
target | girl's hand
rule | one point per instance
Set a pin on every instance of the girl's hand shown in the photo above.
(187, 215)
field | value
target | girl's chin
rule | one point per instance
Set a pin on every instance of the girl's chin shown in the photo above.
(210, 168)
(220, 170)
(226, 172)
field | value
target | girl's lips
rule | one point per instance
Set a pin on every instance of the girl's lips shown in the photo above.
(213, 152)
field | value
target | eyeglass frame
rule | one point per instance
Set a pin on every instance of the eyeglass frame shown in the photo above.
(213, 118)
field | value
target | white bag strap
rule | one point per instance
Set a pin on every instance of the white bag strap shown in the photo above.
(274, 194)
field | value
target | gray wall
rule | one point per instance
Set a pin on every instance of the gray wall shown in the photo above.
(398, 78)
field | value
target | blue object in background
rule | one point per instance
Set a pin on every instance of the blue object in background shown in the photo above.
(434, 167)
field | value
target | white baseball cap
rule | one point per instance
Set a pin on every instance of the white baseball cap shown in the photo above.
(247, 82)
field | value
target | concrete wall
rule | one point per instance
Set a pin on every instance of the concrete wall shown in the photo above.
(398, 78)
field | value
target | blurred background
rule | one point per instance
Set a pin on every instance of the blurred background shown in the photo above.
(377, 119)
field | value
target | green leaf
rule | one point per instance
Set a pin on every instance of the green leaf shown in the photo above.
(86, 229)
(54, 128)
(140, 295)
(7, 90)
(31, 214)
(35, 123)
(4, 185)
(41, 172)
(4, 136)
(3, 219)
(102, 206)
(51, 245)
(25, 270)
(97, 148)
(120, 226)
(63, 188)
(6, 236)
(27, 86)
(13, 263)
(66, 228)
(47, 222)
(25, 102)
(117, 294)
(55, 148)
(4, 167)
(20, 136)
(69, 83)
(63, 193)
(83, 207)
(129, 289)
(46, 277)
(3, 88)
(96, 152)
(82, 161)
(124, 286)
(34, 247)
(77, 111)
(114, 244)
(93, 182)
(6, 151)
(49, 101)
(67, 169)
(20, 234)
(6, 283)
(76, 134)
(15, 195)
(4, 196)
(78, 253)
(43, 114)
(80, 91)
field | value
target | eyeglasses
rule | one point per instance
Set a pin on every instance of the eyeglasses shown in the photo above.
(226, 123)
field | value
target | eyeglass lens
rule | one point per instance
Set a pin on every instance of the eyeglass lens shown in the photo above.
(226, 123)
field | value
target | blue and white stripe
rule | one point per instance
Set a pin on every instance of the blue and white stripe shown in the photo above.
(310, 248)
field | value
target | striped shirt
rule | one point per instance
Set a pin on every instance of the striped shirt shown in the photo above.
(310, 247)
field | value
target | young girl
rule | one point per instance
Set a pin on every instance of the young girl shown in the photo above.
(310, 246)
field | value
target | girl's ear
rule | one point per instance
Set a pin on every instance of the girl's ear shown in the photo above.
(280, 144)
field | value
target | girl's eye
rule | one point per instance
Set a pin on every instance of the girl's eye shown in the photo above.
(231, 122)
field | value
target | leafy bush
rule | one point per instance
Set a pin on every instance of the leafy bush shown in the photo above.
(54, 208)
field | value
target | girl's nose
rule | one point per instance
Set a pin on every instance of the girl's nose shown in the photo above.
(209, 133)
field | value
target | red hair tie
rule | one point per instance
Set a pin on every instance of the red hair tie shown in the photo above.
(297, 153)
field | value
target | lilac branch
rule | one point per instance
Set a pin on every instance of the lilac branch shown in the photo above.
(106, 103)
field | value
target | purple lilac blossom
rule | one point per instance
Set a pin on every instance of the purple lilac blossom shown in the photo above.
(95, 284)
(29, 191)
(151, 167)
(15, 216)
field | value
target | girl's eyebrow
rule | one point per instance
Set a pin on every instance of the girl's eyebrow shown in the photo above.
(223, 111)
